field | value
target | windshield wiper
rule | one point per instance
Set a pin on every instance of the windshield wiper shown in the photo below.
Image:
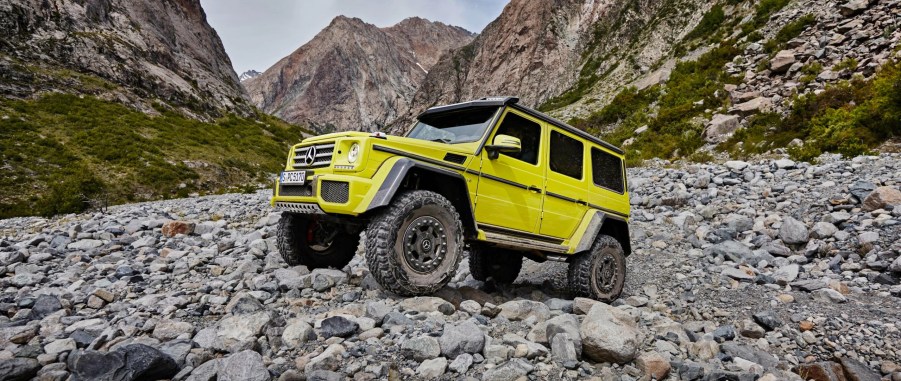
(441, 140)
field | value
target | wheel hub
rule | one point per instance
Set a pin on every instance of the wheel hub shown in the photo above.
(321, 235)
(425, 244)
(605, 273)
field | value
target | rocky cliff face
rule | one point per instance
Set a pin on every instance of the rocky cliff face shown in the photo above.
(732, 61)
(354, 75)
(140, 49)
(540, 49)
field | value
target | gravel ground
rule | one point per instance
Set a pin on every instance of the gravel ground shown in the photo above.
(741, 271)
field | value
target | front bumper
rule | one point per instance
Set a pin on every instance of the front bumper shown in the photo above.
(325, 194)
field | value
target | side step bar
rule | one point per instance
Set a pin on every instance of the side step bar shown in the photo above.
(520, 242)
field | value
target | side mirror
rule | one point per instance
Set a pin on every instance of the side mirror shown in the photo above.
(503, 144)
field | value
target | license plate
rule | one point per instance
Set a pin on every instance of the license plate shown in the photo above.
(293, 177)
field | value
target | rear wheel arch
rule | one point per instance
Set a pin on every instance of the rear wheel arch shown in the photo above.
(605, 224)
(619, 229)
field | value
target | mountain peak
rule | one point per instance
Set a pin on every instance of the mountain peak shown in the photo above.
(344, 21)
(250, 74)
(354, 75)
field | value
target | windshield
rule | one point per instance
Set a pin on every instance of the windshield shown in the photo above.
(453, 127)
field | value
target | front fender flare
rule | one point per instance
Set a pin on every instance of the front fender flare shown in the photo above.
(395, 178)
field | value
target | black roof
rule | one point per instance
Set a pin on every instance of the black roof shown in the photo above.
(513, 102)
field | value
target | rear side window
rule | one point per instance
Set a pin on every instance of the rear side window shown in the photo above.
(566, 155)
(607, 170)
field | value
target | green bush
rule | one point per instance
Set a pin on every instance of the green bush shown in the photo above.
(68, 193)
(810, 72)
(762, 13)
(767, 8)
(708, 24)
(624, 104)
(846, 64)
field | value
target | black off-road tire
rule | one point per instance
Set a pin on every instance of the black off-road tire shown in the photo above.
(293, 244)
(385, 238)
(502, 265)
(585, 278)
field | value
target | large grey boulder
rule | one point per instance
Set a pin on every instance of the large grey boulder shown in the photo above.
(297, 332)
(421, 348)
(732, 250)
(565, 324)
(783, 60)
(463, 338)
(610, 335)
(524, 309)
(243, 366)
(720, 126)
(509, 371)
(239, 332)
(793, 232)
(330, 359)
(130, 362)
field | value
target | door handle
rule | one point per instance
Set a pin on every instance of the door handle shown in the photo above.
(582, 202)
(534, 189)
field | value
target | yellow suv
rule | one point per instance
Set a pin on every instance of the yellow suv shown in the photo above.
(490, 176)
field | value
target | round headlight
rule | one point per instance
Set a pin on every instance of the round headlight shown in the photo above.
(353, 154)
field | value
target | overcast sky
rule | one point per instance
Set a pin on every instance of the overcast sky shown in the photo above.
(258, 33)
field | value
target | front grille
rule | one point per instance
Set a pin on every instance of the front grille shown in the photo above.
(295, 190)
(335, 191)
(322, 156)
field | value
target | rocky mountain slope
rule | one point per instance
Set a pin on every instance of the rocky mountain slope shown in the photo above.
(142, 50)
(690, 72)
(354, 75)
(805, 76)
(111, 101)
(763, 270)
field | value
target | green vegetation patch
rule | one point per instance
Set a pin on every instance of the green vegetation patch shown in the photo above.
(788, 32)
(693, 88)
(708, 24)
(762, 13)
(849, 118)
(60, 152)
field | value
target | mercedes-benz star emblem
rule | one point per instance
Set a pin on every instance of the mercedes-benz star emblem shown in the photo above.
(310, 157)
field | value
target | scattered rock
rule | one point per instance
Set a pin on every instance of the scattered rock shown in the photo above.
(793, 231)
(433, 368)
(524, 309)
(338, 326)
(421, 348)
(654, 365)
(173, 228)
(509, 371)
(130, 362)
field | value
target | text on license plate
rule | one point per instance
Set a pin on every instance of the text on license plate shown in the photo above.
(293, 177)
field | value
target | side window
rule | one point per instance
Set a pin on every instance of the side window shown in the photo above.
(528, 132)
(566, 155)
(607, 170)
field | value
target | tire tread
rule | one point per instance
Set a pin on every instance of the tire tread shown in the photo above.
(381, 235)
